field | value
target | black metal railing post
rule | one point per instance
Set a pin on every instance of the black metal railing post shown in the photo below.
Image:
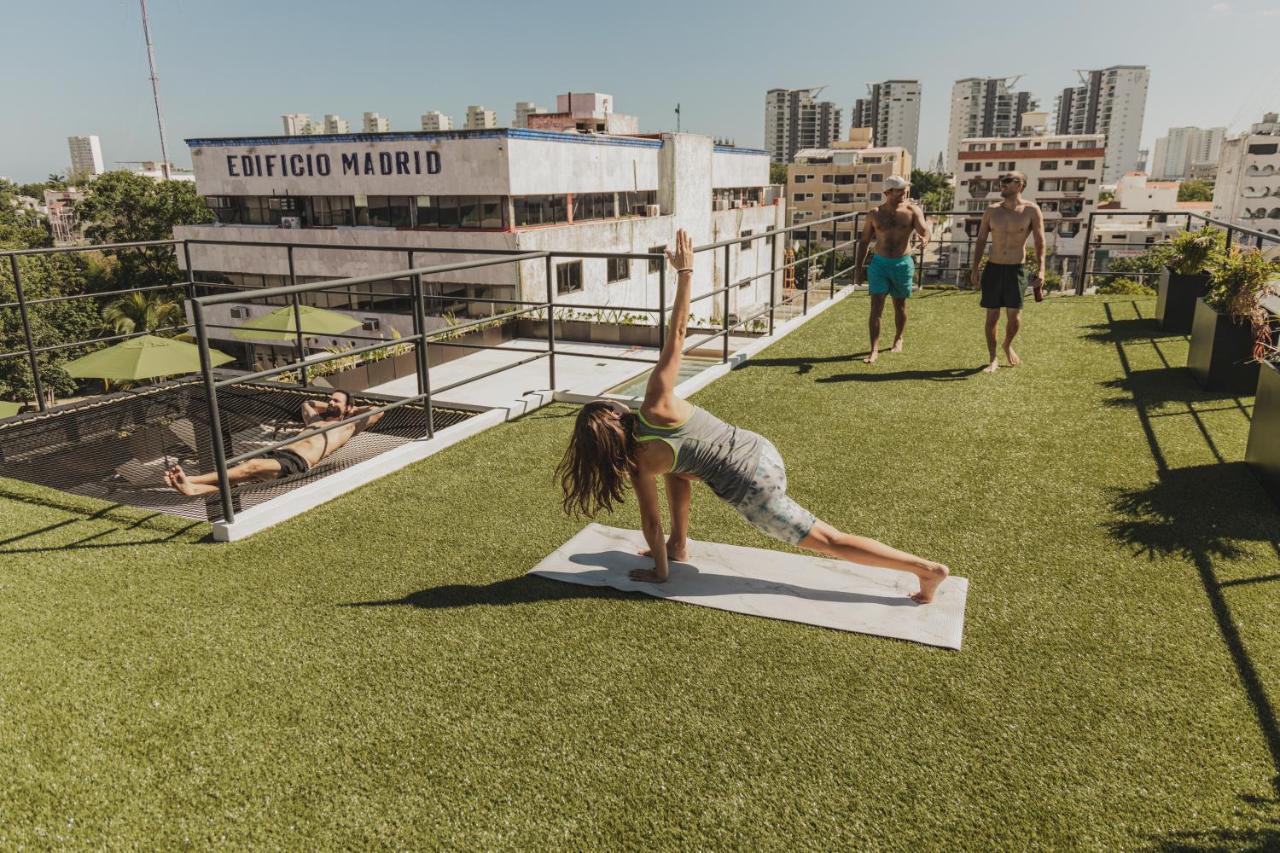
(421, 353)
(297, 322)
(1084, 255)
(191, 274)
(725, 350)
(26, 333)
(551, 324)
(215, 419)
(773, 282)
(662, 305)
(835, 229)
(1230, 231)
(808, 248)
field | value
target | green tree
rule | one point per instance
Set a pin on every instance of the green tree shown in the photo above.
(1195, 191)
(923, 183)
(1105, 196)
(121, 207)
(777, 173)
(943, 198)
(142, 312)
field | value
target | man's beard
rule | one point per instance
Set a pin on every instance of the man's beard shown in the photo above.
(333, 411)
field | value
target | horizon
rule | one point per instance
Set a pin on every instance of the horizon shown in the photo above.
(250, 93)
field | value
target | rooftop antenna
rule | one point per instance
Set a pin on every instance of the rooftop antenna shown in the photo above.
(155, 90)
(677, 118)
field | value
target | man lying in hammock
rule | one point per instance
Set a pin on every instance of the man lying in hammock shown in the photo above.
(293, 458)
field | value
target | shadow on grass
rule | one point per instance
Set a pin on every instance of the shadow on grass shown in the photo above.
(1199, 514)
(1125, 331)
(1262, 838)
(167, 528)
(525, 589)
(1163, 385)
(950, 374)
(802, 364)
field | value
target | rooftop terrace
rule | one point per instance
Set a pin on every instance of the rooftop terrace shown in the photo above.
(381, 672)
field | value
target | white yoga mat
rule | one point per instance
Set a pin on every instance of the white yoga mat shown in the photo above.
(792, 587)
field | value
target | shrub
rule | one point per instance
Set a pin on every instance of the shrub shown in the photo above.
(1125, 286)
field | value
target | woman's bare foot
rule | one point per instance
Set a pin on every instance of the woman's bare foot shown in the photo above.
(929, 583)
(992, 367)
(871, 359)
(176, 478)
(677, 551)
(1014, 361)
(897, 346)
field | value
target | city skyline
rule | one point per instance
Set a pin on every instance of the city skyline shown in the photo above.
(101, 87)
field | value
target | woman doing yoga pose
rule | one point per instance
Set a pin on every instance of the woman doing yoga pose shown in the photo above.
(673, 439)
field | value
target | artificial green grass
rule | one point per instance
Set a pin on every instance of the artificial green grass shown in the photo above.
(379, 672)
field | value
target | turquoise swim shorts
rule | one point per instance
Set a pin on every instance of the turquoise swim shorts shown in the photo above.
(893, 276)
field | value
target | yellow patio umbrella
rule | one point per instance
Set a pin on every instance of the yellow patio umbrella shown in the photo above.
(144, 357)
(281, 324)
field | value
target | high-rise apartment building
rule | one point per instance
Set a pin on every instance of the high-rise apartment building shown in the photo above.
(1248, 186)
(793, 120)
(374, 123)
(297, 124)
(892, 111)
(524, 109)
(86, 155)
(1184, 147)
(436, 120)
(985, 107)
(1111, 101)
(479, 118)
(844, 178)
(336, 124)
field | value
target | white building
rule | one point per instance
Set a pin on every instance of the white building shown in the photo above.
(374, 123)
(1182, 149)
(584, 112)
(983, 107)
(502, 189)
(336, 124)
(892, 110)
(524, 109)
(1110, 101)
(1064, 173)
(1248, 188)
(794, 119)
(436, 120)
(86, 155)
(297, 124)
(1117, 232)
(479, 118)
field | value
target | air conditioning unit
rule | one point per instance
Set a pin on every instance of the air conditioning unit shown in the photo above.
(370, 324)
(239, 312)
(290, 222)
(652, 210)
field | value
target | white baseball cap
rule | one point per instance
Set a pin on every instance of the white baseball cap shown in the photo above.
(895, 182)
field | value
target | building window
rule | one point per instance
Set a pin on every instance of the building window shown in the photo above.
(1050, 186)
(326, 211)
(541, 210)
(655, 264)
(973, 167)
(1008, 166)
(746, 244)
(876, 197)
(588, 206)
(619, 269)
(870, 160)
(1086, 164)
(877, 177)
(828, 178)
(569, 277)
(800, 179)
(1048, 165)
(387, 211)
(634, 203)
(826, 197)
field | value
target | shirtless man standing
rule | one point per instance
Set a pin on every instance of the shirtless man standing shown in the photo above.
(1005, 278)
(293, 458)
(891, 272)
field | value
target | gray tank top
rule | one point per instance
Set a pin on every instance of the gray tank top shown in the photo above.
(722, 456)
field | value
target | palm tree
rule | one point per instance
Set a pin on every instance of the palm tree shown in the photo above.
(142, 312)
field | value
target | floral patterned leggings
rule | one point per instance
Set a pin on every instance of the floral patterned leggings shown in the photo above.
(767, 506)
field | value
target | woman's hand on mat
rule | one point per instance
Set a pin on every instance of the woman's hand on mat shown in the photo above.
(682, 257)
(647, 576)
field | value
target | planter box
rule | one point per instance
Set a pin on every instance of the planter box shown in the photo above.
(381, 371)
(1221, 354)
(1263, 452)
(355, 379)
(1176, 297)
(639, 336)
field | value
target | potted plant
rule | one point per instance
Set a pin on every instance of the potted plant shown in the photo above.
(1232, 329)
(1184, 276)
(1263, 451)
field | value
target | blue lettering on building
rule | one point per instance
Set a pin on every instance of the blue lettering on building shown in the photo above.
(310, 165)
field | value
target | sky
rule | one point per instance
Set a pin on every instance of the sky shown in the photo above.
(232, 67)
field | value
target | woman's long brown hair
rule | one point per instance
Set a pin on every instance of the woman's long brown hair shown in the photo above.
(599, 461)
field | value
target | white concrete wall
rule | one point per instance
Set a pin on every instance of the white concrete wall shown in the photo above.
(557, 165)
(469, 165)
(746, 168)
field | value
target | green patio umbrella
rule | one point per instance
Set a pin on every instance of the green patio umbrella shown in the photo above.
(279, 325)
(143, 357)
(8, 410)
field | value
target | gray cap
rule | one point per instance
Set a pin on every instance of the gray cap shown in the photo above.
(895, 182)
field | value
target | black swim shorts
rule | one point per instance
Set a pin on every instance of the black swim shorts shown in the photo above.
(290, 462)
(1003, 285)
